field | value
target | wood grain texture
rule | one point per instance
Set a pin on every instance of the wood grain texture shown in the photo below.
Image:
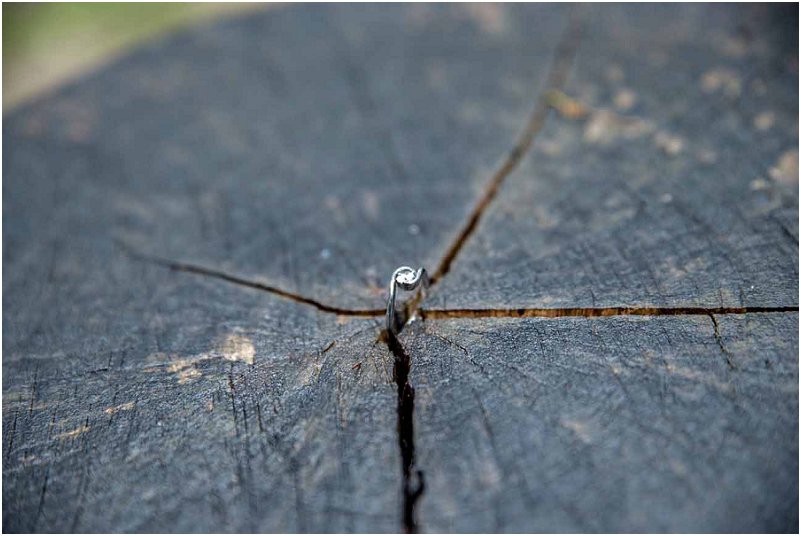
(181, 229)
(217, 409)
(607, 424)
(314, 148)
(140, 398)
(298, 148)
(676, 186)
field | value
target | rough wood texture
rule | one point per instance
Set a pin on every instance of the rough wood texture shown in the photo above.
(189, 233)
(136, 398)
(209, 408)
(678, 184)
(314, 148)
(608, 424)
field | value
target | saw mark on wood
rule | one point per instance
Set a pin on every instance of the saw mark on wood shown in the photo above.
(42, 498)
(12, 433)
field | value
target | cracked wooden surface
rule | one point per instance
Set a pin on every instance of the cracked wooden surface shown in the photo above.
(607, 424)
(207, 404)
(197, 240)
(666, 192)
(323, 120)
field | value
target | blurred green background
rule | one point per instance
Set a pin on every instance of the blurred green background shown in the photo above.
(47, 44)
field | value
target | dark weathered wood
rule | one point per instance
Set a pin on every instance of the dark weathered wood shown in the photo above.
(314, 148)
(678, 188)
(136, 398)
(607, 424)
(284, 164)
(194, 406)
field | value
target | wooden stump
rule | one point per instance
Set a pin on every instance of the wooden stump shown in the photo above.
(197, 241)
